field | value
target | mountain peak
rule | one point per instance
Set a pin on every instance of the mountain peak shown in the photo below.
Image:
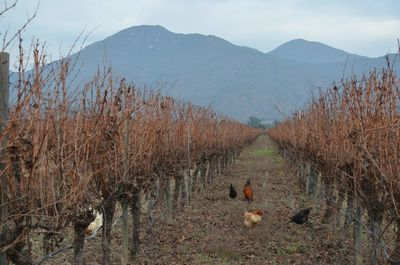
(136, 34)
(311, 52)
(145, 29)
(305, 42)
(155, 28)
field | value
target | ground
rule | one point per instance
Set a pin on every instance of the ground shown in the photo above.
(211, 231)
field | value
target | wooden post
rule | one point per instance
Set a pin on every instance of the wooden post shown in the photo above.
(165, 199)
(4, 95)
(349, 210)
(136, 221)
(308, 177)
(124, 201)
(162, 197)
(183, 190)
(339, 212)
(79, 244)
(151, 206)
(203, 176)
(329, 213)
(375, 222)
(357, 233)
(177, 190)
(195, 175)
(301, 175)
(82, 220)
(375, 241)
(317, 194)
(210, 171)
(348, 218)
(312, 180)
(188, 186)
(168, 200)
(108, 214)
(125, 231)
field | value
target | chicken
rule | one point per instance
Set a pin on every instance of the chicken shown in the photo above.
(301, 217)
(248, 191)
(252, 218)
(232, 192)
(94, 226)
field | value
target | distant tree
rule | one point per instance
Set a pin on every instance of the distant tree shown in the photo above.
(255, 122)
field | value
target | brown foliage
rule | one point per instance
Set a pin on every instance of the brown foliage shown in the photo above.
(355, 130)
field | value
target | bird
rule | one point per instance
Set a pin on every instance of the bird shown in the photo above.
(301, 217)
(252, 218)
(232, 192)
(94, 226)
(248, 191)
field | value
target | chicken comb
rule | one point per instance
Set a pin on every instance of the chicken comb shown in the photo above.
(259, 212)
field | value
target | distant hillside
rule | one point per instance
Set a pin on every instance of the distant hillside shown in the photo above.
(312, 52)
(207, 70)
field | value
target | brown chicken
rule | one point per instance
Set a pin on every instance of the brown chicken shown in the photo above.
(248, 191)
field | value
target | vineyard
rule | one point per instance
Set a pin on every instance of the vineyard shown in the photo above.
(139, 159)
(64, 159)
(105, 172)
(345, 148)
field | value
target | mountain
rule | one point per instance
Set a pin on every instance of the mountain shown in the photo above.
(312, 52)
(210, 71)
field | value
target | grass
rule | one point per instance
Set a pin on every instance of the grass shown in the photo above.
(268, 152)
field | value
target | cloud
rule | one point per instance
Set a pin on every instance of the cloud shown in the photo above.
(364, 27)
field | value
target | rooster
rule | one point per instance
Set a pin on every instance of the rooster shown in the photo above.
(301, 217)
(248, 191)
(232, 192)
(252, 218)
(94, 226)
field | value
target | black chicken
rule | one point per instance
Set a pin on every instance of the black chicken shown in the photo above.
(301, 217)
(232, 192)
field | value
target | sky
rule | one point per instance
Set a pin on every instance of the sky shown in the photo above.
(365, 27)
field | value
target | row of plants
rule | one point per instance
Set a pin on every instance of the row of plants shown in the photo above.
(66, 156)
(347, 140)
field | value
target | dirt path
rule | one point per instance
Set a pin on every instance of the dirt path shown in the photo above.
(211, 230)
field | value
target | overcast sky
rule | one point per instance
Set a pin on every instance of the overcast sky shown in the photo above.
(365, 27)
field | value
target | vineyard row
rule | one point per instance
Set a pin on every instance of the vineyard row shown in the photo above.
(65, 158)
(347, 141)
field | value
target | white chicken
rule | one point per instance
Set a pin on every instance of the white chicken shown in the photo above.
(251, 219)
(94, 226)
